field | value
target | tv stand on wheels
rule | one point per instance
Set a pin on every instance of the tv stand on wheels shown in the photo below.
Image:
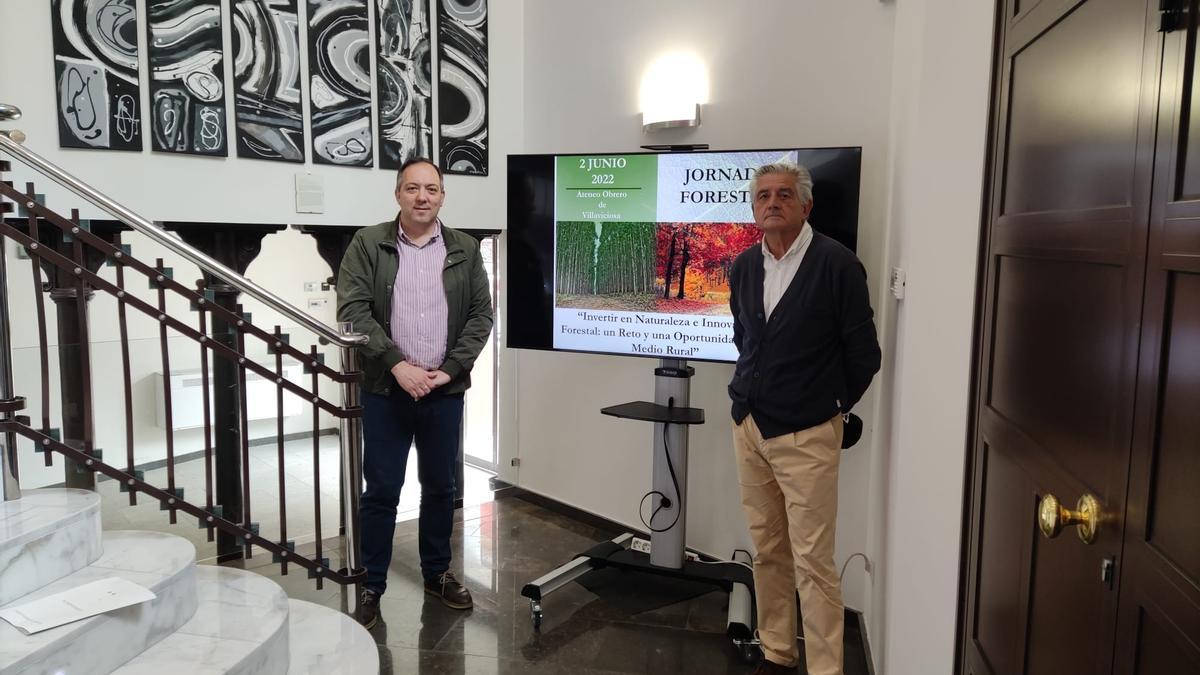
(667, 524)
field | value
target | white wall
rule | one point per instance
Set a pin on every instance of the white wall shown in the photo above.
(941, 77)
(162, 187)
(783, 74)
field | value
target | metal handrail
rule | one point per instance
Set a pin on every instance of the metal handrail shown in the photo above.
(347, 341)
(156, 233)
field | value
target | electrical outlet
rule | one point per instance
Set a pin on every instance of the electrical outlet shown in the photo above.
(312, 286)
(898, 277)
(640, 545)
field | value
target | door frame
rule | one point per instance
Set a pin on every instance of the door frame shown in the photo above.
(491, 467)
(966, 541)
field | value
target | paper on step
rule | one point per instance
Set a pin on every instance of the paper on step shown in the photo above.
(74, 604)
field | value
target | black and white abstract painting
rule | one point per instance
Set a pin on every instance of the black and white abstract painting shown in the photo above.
(96, 74)
(266, 74)
(187, 77)
(404, 81)
(339, 77)
(463, 86)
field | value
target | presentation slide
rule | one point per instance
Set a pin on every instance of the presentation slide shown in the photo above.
(643, 248)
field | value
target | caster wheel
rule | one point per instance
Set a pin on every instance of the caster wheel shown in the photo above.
(748, 652)
(535, 614)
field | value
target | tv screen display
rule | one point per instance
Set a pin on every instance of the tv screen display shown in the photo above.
(630, 253)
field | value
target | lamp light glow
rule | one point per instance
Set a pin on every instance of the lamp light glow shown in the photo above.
(673, 88)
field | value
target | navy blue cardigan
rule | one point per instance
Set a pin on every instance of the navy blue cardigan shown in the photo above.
(816, 355)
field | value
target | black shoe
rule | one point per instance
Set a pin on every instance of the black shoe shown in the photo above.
(368, 608)
(453, 594)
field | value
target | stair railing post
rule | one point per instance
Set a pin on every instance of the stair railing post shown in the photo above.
(351, 434)
(226, 421)
(74, 382)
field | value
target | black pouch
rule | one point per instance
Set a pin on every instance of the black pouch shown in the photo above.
(852, 426)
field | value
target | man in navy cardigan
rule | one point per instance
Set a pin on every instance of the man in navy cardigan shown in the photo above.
(807, 350)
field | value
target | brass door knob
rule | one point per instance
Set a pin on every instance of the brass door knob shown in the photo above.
(1053, 517)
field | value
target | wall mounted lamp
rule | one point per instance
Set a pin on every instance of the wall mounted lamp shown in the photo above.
(673, 89)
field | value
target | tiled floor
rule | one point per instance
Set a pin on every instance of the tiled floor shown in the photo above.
(298, 481)
(499, 546)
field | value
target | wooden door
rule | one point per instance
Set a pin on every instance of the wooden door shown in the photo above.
(1061, 304)
(1159, 610)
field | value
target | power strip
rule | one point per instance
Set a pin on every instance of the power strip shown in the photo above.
(643, 546)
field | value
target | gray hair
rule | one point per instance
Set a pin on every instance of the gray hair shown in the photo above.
(800, 174)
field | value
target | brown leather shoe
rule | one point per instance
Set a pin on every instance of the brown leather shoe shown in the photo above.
(452, 593)
(368, 609)
(766, 667)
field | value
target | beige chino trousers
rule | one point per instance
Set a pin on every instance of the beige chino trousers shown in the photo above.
(789, 490)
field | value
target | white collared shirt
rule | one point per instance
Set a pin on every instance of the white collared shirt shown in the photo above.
(778, 274)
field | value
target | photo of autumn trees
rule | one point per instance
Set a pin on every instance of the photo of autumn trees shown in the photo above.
(680, 268)
(692, 273)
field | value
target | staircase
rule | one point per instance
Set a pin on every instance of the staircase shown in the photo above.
(204, 620)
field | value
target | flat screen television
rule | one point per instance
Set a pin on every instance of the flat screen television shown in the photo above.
(629, 253)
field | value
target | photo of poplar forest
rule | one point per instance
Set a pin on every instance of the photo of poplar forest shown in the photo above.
(606, 266)
(678, 268)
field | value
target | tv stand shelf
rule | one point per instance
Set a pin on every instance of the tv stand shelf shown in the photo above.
(654, 412)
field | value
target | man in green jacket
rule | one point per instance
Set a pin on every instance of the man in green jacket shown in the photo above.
(419, 290)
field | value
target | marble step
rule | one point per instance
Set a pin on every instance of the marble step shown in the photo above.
(97, 645)
(240, 628)
(327, 642)
(46, 535)
(245, 624)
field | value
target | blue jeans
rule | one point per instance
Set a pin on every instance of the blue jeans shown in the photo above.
(390, 425)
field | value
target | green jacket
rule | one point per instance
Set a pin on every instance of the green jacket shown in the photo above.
(364, 294)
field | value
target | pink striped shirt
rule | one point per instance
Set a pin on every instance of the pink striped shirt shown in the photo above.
(419, 315)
